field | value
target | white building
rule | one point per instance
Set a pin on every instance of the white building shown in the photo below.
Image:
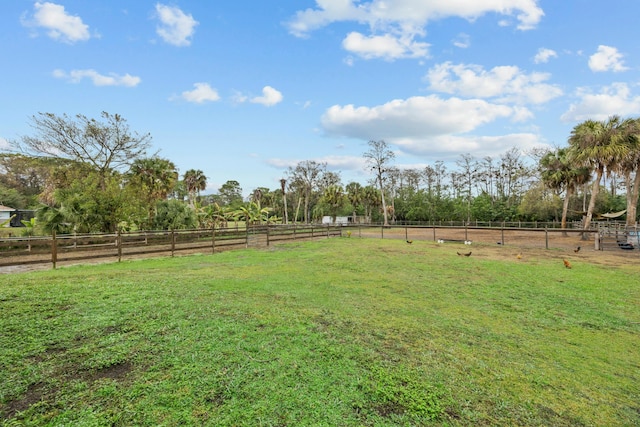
(342, 220)
(5, 214)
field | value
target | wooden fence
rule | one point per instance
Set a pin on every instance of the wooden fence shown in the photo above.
(508, 236)
(57, 249)
(72, 248)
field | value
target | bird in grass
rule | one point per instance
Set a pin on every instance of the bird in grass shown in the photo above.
(519, 256)
(467, 242)
(576, 250)
(467, 254)
(566, 263)
(409, 241)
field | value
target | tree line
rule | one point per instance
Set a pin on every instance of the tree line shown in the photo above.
(96, 175)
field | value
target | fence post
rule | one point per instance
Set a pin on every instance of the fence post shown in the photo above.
(434, 233)
(213, 239)
(546, 237)
(382, 231)
(294, 230)
(406, 233)
(267, 235)
(54, 249)
(502, 235)
(173, 242)
(466, 226)
(119, 245)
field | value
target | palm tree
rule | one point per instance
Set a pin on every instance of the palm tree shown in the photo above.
(155, 178)
(256, 197)
(560, 174)
(599, 145)
(630, 168)
(354, 195)
(370, 199)
(333, 196)
(195, 181)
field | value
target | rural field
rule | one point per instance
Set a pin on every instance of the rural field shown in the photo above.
(333, 332)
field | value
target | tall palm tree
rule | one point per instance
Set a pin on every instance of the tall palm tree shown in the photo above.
(195, 181)
(370, 199)
(561, 174)
(599, 145)
(354, 195)
(630, 168)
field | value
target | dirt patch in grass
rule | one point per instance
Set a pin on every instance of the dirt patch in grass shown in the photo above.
(41, 392)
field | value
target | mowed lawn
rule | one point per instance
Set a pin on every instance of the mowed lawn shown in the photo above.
(335, 332)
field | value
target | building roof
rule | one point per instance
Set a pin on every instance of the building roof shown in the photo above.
(5, 208)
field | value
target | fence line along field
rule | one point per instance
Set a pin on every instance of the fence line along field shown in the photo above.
(65, 249)
(20, 253)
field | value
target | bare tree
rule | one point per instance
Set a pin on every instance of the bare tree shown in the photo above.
(308, 175)
(468, 177)
(378, 157)
(103, 145)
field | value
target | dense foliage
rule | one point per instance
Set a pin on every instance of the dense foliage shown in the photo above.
(115, 184)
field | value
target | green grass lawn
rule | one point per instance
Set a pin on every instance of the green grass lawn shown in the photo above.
(337, 332)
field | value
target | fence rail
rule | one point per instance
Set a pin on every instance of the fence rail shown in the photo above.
(77, 247)
(64, 248)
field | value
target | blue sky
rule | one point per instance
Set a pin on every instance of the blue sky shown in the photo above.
(244, 89)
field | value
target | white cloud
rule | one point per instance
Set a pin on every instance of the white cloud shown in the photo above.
(336, 163)
(395, 24)
(386, 46)
(76, 76)
(201, 94)
(611, 100)
(607, 58)
(431, 126)
(239, 97)
(415, 117)
(410, 16)
(462, 41)
(450, 146)
(504, 83)
(544, 55)
(270, 97)
(58, 23)
(175, 26)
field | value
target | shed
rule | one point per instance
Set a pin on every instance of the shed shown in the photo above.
(340, 220)
(5, 215)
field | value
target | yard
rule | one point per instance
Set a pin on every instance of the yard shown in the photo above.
(341, 331)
